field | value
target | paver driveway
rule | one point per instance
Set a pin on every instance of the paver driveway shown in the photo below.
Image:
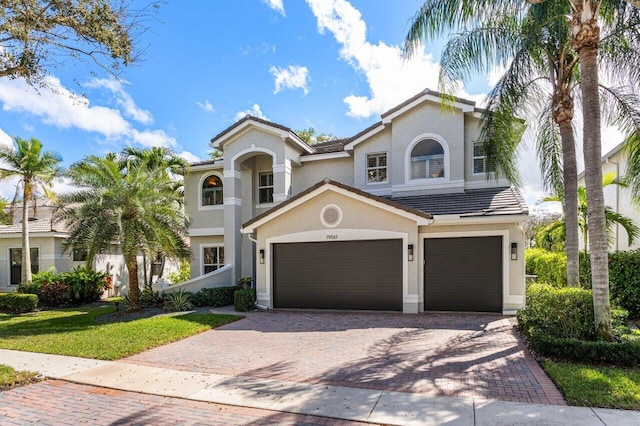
(468, 355)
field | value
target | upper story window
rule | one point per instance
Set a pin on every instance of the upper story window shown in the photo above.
(265, 187)
(212, 258)
(480, 163)
(212, 194)
(376, 168)
(427, 160)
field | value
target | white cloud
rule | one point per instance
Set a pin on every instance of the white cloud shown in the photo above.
(254, 111)
(191, 158)
(57, 106)
(276, 5)
(123, 99)
(391, 79)
(292, 77)
(5, 139)
(205, 106)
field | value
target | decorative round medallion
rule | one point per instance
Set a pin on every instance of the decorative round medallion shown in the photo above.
(331, 216)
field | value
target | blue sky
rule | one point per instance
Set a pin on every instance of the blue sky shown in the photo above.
(331, 64)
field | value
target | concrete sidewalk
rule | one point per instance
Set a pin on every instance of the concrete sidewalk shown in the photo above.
(374, 406)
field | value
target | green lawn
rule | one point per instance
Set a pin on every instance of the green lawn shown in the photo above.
(74, 332)
(9, 378)
(596, 386)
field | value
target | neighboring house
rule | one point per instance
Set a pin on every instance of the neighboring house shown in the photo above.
(46, 238)
(401, 216)
(617, 198)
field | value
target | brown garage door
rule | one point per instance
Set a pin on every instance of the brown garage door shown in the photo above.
(338, 275)
(463, 274)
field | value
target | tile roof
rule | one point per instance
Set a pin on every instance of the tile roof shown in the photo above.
(35, 226)
(334, 145)
(356, 191)
(476, 202)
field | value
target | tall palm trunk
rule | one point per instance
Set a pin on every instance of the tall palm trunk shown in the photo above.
(26, 249)
(586, 36)
(563, 116)
(134, 286)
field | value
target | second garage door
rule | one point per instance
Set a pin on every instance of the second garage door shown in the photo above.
(463, 274)
(338, 275)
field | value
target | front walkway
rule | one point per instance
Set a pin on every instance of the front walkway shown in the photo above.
(464, 355)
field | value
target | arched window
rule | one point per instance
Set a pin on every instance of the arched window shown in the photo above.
(212, 191)
(427, 160)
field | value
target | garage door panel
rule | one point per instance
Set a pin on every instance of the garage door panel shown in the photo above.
(338, 275)
(463, 274)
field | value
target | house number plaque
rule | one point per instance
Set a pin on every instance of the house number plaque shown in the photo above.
(332, 237)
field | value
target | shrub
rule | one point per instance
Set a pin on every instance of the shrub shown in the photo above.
(625, 353)
(178, 301)
(87, 285)
(55, 294)
(624, 279)
(215, 297)
(29, 288)
(244, 300)
(549, 266)
(17, 303)
(181, 275)
(149, 298)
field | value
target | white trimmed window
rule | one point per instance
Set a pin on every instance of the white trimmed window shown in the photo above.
(377, 168)
(212, 258)
(480, 164)
(265, 187)
(427, 160)
(212, 193)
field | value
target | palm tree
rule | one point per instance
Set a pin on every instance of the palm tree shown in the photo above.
(436, 16)
(135, 208)
(35, 169)
(556, 229)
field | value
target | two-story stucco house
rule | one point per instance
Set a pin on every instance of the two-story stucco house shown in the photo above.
(401, 216)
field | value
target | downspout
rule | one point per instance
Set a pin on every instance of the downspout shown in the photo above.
(617, 200)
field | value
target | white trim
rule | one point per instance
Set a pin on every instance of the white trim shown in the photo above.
(232, 201)
(474, 158)
(266, 206)
(250, 150)
(366, 167)
(337, 222)
(207, 245)
(272, 186)
(328, 187)
(408, 181)
(234, 174)
(370, 133)
(336, 235)
(428, 97)
(244, 127)
(380, 192)
(454, 219)
(326, 156)
(18, 235)
(282, 168)
(434, 183)
(200, 182)
(506, 258)
(205, 232)
(203, 167)
(482, 184)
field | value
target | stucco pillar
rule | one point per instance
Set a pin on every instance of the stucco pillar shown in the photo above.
(281, 181)
(233, 222)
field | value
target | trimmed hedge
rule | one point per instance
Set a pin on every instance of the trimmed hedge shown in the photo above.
(626, 353)
(244, 300)
(624, 279)
(558, 312)
(550, 267)
(17, 303)
(214, 297)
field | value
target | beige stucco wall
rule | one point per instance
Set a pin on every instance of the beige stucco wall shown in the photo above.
(312, 172)
(356, 216)
(513, 297)
(197, 243)
(378, 143)
(199, 216)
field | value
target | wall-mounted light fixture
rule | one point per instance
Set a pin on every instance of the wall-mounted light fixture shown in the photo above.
(410, 252)
(261, 255)
(514, 251)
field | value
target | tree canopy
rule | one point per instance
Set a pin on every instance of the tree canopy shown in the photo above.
(38, 35)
